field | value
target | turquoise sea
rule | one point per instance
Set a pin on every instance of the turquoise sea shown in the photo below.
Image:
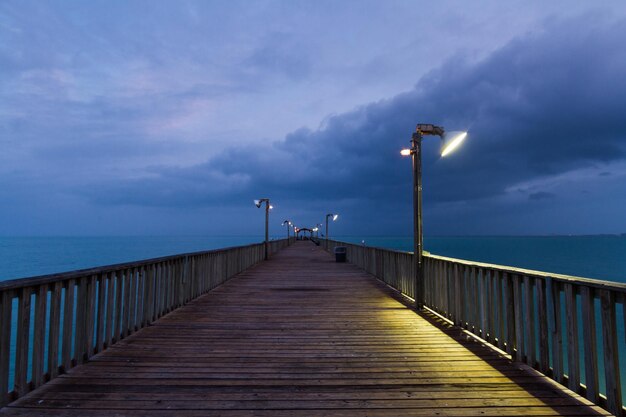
(601, 257)
(29, 256)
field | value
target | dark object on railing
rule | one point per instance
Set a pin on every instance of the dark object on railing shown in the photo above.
(80, 313)
(340, 253)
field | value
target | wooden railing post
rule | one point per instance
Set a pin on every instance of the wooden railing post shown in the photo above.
(611, 357)
(6, 310)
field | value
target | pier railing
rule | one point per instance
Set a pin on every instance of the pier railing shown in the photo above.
(566, 327)
(51, 323)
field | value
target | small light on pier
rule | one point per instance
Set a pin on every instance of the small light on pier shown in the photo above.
(405, 152)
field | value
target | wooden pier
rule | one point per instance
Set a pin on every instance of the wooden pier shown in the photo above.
(300, 335)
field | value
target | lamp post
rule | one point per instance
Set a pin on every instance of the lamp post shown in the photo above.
(268, 207)
(334, 216)
(449, 143)
(288, 223)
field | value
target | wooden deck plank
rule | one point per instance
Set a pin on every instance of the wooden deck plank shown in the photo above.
(300, 335)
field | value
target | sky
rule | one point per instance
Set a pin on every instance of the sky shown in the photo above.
(169, 118)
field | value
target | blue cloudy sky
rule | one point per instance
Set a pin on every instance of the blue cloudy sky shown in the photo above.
(155, 117)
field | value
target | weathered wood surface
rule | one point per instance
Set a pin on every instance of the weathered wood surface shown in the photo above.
(299, 335)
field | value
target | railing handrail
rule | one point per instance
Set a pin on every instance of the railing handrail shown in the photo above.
(16, 283)
(594, 282)
(598, 283)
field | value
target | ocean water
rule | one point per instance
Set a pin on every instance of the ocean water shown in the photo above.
(599, 257)
(30, 256)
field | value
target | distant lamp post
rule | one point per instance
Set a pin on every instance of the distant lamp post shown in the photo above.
(449, 142)
(268, 207)
(288, 223)
(316, 230)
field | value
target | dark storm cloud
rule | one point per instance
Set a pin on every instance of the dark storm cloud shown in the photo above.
(541, 195)
(545, 104)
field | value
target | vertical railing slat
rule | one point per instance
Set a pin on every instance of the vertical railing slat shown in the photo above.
(554, 292)
(108, 321)
(510, 313)
(529, 321)
(102, 294)
(23, 333)
(6, 312)
(68, 323)
(39, 335)
(611, 354)
(571, 313)
(132, 310)
(501, 310)
(484, 302)
(55, 327)
(542, 319)
(589, 343)
(520, 353)
(125, 320)
(90, 315)
(81, 321)
(117, 310)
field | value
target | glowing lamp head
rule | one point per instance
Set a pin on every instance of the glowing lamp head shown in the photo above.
(405, 152)
(451, 141)
(335, 217)
(257, 203)
(271, 207)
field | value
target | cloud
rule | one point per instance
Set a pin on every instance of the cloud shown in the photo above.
(278, 55)
(174, 110)
(541, 195)
(546, 103)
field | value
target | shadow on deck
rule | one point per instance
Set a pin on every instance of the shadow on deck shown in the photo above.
(300, 335)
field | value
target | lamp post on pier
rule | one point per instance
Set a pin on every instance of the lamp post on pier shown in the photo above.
(268, 207)
(288, 223)
(448, 144)
(334, 216)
